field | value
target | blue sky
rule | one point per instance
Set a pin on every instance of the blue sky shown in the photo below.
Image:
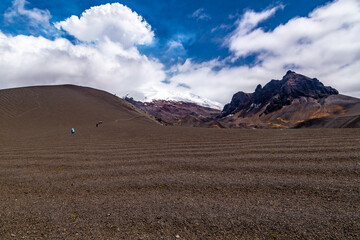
(173, 20)
(169, 48)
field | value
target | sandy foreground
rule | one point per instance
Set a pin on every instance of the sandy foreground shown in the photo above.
(131, 182)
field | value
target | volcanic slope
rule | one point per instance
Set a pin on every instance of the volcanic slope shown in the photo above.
(178, 113)
(57, 109)
(131, 178)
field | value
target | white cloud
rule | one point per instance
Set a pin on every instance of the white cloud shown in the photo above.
(111, 63)
(115, 22)
(214, 80)
(324, 45)
(200, 14)
(251, 19)
(221, 27)
(175, 49)
(27, 60)
(36, 17)
(175, 44)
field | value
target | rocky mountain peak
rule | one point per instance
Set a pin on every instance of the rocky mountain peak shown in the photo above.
(278, 93)
(258, 88)
(290, 74)
(296, 85)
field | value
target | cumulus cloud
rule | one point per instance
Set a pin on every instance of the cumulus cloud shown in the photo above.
(115, 22)
(110, 62)
(35, 17)
(27, 60)
(324, 45)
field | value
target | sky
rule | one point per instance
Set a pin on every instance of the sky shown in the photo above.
(188, 49)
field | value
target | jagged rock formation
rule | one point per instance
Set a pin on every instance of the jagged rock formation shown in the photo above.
(293, 101)
(279, 93)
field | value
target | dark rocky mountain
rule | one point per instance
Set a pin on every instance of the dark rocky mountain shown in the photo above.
(279, 93)
(294, 101)
(179, 113)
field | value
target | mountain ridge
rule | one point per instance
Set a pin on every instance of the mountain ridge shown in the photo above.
(295, 101)
(179, 113)
(278, 93)
(292, 102)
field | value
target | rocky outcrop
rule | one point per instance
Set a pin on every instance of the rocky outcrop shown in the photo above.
(295, 101)
(278, 93)
(238, 102)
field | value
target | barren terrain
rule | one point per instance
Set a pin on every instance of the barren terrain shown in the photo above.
(131, 178)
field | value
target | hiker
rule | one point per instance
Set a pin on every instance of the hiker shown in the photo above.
(72, 131)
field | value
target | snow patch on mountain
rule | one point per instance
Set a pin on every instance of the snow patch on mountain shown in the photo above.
(183, 97)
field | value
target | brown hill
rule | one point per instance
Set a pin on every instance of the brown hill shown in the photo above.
(57, 109)
(295, 101)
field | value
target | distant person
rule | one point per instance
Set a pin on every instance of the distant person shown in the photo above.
(72, 131)
(97, 125)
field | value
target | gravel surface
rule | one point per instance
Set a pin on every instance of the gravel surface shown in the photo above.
(131, 181)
